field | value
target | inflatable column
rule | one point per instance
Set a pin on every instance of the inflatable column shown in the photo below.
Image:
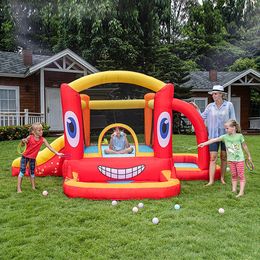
(163, 122)
(72, 121)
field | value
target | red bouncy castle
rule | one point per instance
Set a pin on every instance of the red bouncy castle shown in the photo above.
(151, 171)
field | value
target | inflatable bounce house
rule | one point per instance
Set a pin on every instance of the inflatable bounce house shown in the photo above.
(152, 170)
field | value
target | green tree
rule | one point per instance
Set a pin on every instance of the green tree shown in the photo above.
(205, 23)
(204, 34)
(7, 38)
(237, 15)
(243, 64)
(48, 23)
(170, 68)
(257, 62)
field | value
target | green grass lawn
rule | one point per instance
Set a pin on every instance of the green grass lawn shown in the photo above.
(55, 227)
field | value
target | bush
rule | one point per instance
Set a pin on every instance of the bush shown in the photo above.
(19, 132)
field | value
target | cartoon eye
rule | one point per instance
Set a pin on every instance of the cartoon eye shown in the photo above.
(72, 128)
(163, 129)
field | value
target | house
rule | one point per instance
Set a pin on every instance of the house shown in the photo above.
(29, 85)
(29, 88)
(239, 87)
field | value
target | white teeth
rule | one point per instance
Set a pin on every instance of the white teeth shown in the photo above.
(114, 176)
(114, 170)
(129, 170)
(128, 176)
(121, 174)
(121, 171)
(139, 171)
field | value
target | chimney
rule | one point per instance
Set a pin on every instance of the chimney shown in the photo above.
(27, 57)
(213, 75)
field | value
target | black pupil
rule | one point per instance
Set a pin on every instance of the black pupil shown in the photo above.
(71, 127)
(164, 128)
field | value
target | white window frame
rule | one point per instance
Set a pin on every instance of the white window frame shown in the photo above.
(17, 95)
(201, 99)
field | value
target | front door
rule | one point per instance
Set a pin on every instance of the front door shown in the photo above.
(53, 109)
(236, 102)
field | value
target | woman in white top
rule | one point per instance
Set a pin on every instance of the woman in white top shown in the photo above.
(215, 115)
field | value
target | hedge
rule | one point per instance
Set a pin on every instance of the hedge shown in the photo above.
(18, 132)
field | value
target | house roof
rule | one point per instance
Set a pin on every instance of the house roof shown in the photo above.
(12, 64)
(199, 80)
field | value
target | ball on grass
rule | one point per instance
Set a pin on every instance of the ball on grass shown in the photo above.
(45, 193)
(221, 211)
(228, 169)
(177, 206)
(140, 205)
(155, 221)
(135, 209)
(114, 202)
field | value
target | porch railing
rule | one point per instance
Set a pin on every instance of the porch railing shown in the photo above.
(20, 118)
(254, 122)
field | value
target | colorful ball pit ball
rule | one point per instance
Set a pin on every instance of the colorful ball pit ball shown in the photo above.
(140, 205)
(155, 221)
(45, 193)
(177, 206)
(221, 211)
(135, 209)
(114, 203)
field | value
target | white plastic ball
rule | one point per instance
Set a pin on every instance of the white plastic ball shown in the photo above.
(228, 169)
(135, 209)
(221, 211)
(140, 205)
(114, 202)
(45, 193)
(155, 221)
(177, 206)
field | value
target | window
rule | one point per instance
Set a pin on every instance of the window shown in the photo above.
(9, 101)
(201, 103)
(255, 109)
(9, 105)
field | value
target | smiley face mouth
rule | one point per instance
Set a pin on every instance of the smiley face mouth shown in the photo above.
(121, 174)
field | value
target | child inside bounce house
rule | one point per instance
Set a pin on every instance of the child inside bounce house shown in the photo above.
(119, 143)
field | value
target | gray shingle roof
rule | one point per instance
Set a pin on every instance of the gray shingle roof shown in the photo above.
(200, 79)
(12, 62)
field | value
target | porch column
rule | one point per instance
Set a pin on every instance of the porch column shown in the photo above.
(42, 92)
(229, 93)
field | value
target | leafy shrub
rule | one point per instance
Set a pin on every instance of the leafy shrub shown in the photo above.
(19, 132)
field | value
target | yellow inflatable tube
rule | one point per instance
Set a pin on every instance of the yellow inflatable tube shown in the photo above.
(129, 77)
(116, 104)
(131, 131)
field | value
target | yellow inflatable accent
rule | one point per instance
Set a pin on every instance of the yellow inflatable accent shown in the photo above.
(134, 185)
(116, 104)
(83, 104)
(128, 128)
(151, 104)
(105, 77)
(45, 154)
